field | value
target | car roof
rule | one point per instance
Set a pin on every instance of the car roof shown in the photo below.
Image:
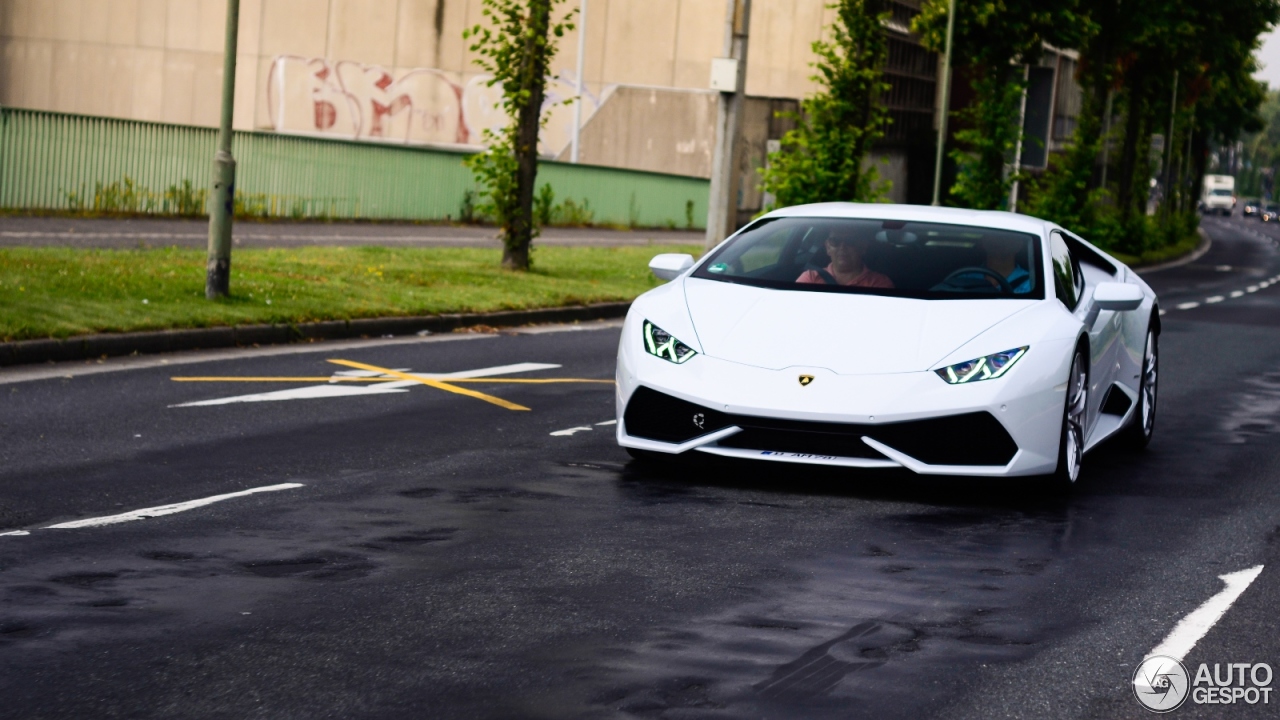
(994, 219)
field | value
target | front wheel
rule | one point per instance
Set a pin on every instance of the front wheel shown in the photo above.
(1071, 446)
(1143, 425)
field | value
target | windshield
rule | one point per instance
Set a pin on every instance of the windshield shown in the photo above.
(882, 257)
(1222, 193)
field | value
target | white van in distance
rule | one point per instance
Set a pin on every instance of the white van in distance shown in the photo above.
(1219, 195)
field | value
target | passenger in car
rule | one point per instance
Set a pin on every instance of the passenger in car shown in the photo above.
(1002, 259)
(846, 248)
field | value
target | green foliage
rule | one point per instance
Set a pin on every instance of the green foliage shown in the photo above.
(824, 157)
(990, 35)
(547, 212)
(987, 138)
(515, 45)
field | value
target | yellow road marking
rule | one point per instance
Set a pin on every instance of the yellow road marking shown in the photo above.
(281, 379)
(432, 383)
(526, 381)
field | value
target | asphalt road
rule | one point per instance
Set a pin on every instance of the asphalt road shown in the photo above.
(23, 231)
(416, 552)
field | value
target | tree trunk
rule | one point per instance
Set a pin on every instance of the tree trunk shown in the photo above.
(518, 235)
(1129, 151)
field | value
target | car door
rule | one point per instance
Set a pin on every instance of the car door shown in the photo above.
(1103, 327)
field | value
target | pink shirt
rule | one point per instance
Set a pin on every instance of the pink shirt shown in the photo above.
(867, 278)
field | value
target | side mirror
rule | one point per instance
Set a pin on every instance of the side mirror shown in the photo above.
(668, 266)
(1116, 296)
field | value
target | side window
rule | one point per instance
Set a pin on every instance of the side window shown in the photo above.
(1067, 278)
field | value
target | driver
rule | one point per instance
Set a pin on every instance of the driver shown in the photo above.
(845, 247)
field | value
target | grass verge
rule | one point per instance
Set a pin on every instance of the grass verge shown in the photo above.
(1164, 254)
(62, 292)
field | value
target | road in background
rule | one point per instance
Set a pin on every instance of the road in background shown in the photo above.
(22, 231)
(416, 551)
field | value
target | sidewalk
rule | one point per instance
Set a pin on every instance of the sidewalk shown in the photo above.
(147, 232)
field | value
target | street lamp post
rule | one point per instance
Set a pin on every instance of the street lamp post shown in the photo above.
(222, 199)
(582, 65)
(722, 206)
(946, 104)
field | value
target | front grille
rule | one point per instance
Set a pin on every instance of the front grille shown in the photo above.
(968, 439)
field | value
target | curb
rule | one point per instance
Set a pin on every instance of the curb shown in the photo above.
(1205, 243)
(87, 347)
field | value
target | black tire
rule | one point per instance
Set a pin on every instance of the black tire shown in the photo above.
(1143, 424)
(1074, 408)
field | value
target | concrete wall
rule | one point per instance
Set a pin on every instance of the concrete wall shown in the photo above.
(391, 70)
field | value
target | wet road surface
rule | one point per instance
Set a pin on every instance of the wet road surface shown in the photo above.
(413, 551)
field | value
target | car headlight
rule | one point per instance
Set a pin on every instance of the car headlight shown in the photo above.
(983, 368)
(660, 343)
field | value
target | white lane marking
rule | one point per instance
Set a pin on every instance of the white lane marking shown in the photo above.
(1162, 312)
(15, 532)
(1188, 305)
(488, 372)
(1237, 293)
(608, 422)
(332, 390)
(310, 392)
(161, 510)
(570, 431)
(1214, 299)
(1251, 289)
(363, 373)
(1193, 627)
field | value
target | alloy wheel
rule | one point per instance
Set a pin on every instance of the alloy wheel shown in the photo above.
(1077, 400)
(1150, 367)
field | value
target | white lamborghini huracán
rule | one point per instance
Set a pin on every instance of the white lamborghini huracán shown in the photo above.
(947, 342)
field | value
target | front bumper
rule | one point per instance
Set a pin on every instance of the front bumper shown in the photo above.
(1005, 427)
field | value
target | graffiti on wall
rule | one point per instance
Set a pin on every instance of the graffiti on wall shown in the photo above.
(422, 105)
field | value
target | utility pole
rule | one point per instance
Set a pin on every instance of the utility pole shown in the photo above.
(946, 104)
(1168, 145)
(582, 54)
(729, 76)
(222, 200)
(1022, 128)
(1106, 138)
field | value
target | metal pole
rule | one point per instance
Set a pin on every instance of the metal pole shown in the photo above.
(946, 103)
(582, 54)
(1106, 138)
(1017, 154)
(222, 199)
(1168, 143)
(722, 206)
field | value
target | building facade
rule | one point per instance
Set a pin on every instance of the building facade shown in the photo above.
(400, 71)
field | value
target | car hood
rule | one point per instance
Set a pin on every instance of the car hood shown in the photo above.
(848, 334)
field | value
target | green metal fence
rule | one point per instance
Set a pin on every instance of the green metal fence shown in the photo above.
(56, 161)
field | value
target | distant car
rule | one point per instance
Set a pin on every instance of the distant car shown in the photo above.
(1252, 207)
(944, 341)
(1271, 213)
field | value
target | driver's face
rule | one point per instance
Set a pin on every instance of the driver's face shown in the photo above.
(845, 251)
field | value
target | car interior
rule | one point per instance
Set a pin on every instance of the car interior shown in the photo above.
(916, 257)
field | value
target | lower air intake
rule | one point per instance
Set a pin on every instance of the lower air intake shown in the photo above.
(969, 439)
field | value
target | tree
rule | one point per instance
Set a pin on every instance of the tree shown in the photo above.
(824, 157)
(991, 35)
(517, 52)
(1208, 51)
